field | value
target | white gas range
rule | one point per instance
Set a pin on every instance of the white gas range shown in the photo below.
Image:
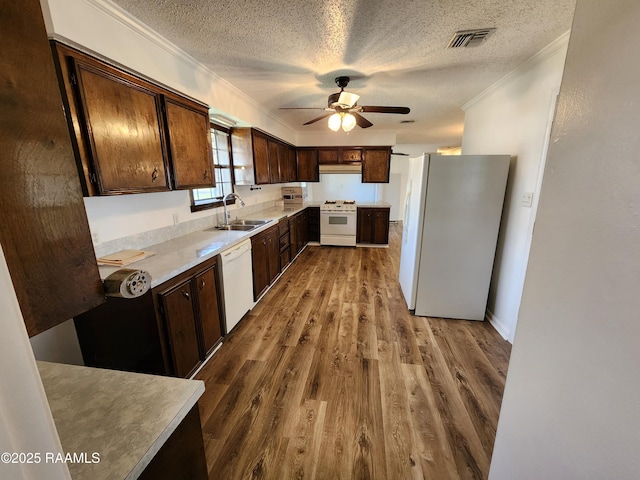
(338, 223)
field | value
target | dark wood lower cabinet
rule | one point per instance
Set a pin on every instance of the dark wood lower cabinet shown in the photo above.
(285, 250)
(373, 226)
(168, 331)
(265, 255)
(180, 320)
(314, 224)
(182, 455)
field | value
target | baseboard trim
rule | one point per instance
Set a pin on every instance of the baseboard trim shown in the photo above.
(499, 326)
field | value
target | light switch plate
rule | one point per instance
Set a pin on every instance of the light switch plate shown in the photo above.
(527, 199)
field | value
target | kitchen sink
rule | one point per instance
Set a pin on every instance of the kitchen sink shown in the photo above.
(244, 228)
(242, 225)
(249, 222)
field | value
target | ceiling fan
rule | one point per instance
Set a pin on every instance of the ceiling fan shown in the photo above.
(344, 110)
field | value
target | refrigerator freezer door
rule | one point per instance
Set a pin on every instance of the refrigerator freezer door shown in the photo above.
(412, 227)
(462, 218)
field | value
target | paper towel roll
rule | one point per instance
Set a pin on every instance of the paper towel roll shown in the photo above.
(127, 283)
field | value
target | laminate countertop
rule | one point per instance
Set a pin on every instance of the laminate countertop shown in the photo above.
(123, 417)
(180, 254)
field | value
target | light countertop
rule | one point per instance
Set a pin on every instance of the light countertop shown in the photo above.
(124, 417)
(180, 254)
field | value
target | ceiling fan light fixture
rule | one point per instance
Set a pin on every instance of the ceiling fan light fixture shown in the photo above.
(334, 122)
(348, 122)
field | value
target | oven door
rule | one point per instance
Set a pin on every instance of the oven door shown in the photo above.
(338, 228)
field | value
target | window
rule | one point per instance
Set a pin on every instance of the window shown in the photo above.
(203, 198)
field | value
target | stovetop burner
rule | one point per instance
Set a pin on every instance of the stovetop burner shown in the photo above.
(338, 205)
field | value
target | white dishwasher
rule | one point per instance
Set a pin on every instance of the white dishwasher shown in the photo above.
(237, 282)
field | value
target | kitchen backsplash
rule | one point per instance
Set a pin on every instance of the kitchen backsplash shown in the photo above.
(159, 235)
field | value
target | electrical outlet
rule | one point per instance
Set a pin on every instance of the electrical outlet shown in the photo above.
(176, 220)
(527, 199)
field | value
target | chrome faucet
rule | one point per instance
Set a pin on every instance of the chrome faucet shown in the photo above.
(224, 204)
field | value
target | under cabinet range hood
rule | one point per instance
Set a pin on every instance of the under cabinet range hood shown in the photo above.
(341, 168)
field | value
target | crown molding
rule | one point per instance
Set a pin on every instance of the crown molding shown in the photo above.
(547, 52)
(124, 18)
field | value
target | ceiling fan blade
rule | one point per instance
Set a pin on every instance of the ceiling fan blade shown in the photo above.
(361, 121)
(317, 119)
(301, 108)
(373, 109)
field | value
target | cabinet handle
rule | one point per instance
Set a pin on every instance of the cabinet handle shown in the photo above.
(205, 174)
(202, 283)
(154, 174)
(186, 295)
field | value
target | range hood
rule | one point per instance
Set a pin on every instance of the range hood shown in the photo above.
(341, 168)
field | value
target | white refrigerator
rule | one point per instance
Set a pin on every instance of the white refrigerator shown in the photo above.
(452, 216)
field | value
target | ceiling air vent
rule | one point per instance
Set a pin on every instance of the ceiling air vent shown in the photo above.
(470, 38)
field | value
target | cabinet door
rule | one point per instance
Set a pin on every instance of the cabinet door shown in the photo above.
(259, 255)
(179, 315)
(122, 118)
(303, 229)
(314, 224)
(350, 155)
(273, 254)
(283, 163)
(44, 234)
(206, 285)
(274, 161)
(261, 158)
(307, 165)
(189, 142)
(327, 156)
(364, 225)
(291, 165)
(380, 226)
(375, 165)
(293, 236)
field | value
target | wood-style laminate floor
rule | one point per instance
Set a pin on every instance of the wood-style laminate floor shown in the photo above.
(330, 377)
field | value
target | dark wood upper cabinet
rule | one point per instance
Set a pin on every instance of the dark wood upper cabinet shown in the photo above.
(274, 161)
(307, 165)
(123, 122)
(261, 159)
(328, 156)
(130, 135)
(376, 163)
(350, 155)
(189, 140)
(45, 234)
(292, 167)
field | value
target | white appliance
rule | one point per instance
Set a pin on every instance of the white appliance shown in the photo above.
(294, 194)
(452, 216)
(338, 223)
(237, 281)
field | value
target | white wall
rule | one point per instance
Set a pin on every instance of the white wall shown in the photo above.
(512, 117)
(571, 405)
(25, 417)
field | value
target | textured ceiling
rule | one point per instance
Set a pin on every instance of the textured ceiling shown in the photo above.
(287, 53)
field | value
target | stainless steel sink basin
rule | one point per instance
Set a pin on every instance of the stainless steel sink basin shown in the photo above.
(242, 225)
(249, 222)
(244, 228)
